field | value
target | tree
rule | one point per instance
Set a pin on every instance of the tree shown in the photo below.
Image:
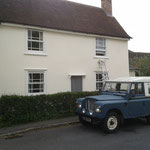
(143, 64)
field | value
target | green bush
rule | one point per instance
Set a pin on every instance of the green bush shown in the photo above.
(22, 109)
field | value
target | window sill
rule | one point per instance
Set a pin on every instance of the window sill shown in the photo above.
(36, 54)
(34, 94)
(101, 57)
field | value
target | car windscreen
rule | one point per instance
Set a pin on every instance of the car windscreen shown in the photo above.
(116, 87)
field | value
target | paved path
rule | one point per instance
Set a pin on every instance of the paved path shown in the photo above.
(134, 135)
(37, 125)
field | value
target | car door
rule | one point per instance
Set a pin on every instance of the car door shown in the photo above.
(136, 106)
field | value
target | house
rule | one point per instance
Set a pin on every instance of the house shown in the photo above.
(50, 46)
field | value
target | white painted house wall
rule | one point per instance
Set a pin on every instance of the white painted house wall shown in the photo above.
(66, 53)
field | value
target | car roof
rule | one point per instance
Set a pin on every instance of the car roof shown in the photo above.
(131, 79)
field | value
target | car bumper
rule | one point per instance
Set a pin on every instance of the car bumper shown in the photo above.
(95, 117)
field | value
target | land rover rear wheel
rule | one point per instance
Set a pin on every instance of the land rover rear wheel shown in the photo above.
(112, 122)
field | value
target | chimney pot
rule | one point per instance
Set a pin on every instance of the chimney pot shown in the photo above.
(107, 6)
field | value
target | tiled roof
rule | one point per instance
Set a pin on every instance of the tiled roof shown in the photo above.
(61, 15)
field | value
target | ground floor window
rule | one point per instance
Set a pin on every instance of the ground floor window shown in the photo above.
(36, 82)
(100, 78)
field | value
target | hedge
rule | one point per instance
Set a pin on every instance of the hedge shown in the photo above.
(23, 109)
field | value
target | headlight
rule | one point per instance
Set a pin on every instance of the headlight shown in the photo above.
(78, 105)
(83, 110)
(97, 108)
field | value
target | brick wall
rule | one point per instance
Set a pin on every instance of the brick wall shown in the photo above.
(107, 6)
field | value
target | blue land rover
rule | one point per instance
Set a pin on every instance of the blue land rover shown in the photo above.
(119, 99)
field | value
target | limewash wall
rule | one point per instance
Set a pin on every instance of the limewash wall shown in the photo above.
(66, 53)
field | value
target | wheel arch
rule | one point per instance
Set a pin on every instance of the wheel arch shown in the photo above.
(118, 111)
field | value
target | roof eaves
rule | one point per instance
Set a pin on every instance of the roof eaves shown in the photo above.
(60, 29)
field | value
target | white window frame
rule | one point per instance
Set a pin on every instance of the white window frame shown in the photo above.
(35, 52)
(101, 48)
(101, 81)
(28, 71)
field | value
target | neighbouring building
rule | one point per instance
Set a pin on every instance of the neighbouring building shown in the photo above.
(133, 69)
(50, 46)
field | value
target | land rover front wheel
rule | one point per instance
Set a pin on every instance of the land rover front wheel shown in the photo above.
(112, 122)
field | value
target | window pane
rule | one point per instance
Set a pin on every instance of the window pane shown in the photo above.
(36, 91)
(30, 76)
(35, 35)
(99, 85)
(41, 36)
(29, 34)
(29, 45)
(36, 76)
(100, 43)
(30, 88)
(100, 53)
(36, 86)
(41, 87)
(35, 46)
(42, 77)
(41, 46)
(96, 77)
(100, 77)
(137, 88)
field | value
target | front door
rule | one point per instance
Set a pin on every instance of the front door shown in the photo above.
(76, 83)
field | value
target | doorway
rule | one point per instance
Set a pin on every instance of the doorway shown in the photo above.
(76, 84)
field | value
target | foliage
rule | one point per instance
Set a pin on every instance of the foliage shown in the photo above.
(143, 64)
(22, 109)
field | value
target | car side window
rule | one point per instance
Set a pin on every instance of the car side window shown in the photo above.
(137, 89)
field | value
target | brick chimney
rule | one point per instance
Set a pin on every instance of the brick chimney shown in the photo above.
(107, 6)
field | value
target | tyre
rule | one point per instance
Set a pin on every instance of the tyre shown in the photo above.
(112, 122)
(84, 122)
(148, 119)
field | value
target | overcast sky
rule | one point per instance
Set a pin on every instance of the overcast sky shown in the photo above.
(134, 16)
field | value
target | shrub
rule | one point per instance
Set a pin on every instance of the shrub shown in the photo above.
(22, 109)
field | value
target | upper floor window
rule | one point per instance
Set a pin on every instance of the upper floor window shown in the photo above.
(35, 41)
(100, 47)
